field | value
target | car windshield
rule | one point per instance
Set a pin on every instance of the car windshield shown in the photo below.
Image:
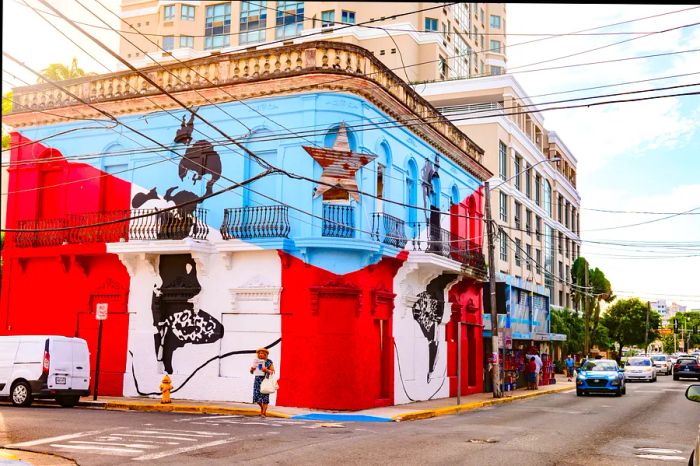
(659, 358)
(600, 366)
(686, 361)
(638, 362)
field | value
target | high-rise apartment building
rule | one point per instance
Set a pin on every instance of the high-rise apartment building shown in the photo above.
(535, 201)
(420, 41)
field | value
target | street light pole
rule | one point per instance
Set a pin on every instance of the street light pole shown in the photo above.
(646, 330)
(496, 371)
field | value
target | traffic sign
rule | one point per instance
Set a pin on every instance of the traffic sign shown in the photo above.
(101, 311)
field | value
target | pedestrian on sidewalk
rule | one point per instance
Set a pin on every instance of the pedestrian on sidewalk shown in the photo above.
(569, 367)
(531, 373)
(538, 362)
(262, 367)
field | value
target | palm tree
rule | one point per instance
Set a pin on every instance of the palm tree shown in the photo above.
(60, 72)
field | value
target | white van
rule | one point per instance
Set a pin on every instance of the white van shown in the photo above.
(44, 366)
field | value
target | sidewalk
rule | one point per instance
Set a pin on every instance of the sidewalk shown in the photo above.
(405, 412)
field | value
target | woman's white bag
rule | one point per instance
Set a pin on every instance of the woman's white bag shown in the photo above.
(268, 386)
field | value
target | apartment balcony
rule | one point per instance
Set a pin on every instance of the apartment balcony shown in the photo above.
(464, 255)
(338, 221)
(177, 224)
(389, 230)
(71, 229)
(256, 222)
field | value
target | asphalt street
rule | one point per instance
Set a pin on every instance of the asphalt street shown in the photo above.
(652, 424)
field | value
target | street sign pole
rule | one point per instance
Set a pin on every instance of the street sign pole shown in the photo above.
(97, 362)
(101, 315)
(459, 362)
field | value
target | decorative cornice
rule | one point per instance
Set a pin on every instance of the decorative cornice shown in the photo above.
(324, 66)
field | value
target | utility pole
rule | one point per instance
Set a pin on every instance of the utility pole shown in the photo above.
(646, 330)
(586, 313)
(496, 371)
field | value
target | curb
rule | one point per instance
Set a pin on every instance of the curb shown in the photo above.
(428, 413)
(183, 408)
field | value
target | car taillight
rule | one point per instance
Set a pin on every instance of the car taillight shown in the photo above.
(45, 363)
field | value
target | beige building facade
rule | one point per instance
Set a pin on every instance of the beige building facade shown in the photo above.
(419, 41)
(534, 197)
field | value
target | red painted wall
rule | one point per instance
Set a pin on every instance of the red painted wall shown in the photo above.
(337, 344)
(54, 289)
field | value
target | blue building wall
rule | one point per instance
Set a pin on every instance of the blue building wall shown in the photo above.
(261, 125)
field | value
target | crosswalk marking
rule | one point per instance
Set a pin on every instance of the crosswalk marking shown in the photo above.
(114, 444)
(177, 451)
(59, 438)
(161, 436)
(181, 432)
(95, 447)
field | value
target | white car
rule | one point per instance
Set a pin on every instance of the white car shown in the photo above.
(640, 368)
(662, 363)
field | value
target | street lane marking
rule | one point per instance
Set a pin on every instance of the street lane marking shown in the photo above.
(89, 447)
(196, 433)
(177, 451)
(60, 438)
(658, 450)
(160, 436)
(662, 457)
(113, 444)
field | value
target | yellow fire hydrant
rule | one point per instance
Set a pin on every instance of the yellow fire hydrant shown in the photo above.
(165, 387)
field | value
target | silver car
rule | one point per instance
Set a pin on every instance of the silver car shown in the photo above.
(640, 368)
(662, 363)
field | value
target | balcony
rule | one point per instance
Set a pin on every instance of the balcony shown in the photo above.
(338, 221)
(256, 222)
(70, 232)
(389, 230)
(181, 223)
(436, 240)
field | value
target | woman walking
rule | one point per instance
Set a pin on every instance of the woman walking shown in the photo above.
(262, 367)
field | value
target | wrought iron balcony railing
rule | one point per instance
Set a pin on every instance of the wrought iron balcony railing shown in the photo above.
(174, 224)
(338, 221)
(256, 222)
(110, 233)
(389, 230)
(437, 240)
(35, 239)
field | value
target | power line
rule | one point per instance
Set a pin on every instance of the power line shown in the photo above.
(637, 212)
(644, 223)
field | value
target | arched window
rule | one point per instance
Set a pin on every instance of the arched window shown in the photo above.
(332, 135)
(412, 191)
(455, 194)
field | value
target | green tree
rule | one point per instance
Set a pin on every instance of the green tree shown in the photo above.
(591, 287)
(686, 322)
(569, 323)
(6, 108)
(625, 321)
(60, 72)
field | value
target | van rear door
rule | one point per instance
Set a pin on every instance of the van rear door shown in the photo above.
(61, 364)
(81, 365)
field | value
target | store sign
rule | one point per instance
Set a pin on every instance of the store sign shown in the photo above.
(508, 338)
(101, 311)
(536, 336)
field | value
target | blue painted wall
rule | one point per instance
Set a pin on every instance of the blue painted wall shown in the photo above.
(147, 166)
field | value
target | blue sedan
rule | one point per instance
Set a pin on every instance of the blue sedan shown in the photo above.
(600, 376)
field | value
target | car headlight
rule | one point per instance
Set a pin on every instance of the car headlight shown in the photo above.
(648, 369)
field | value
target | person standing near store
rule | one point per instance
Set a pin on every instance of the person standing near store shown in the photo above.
(531, 373)
(569, 367)
(538, 362)
(262, 367)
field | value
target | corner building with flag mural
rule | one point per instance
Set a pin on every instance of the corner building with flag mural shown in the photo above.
(306, 200)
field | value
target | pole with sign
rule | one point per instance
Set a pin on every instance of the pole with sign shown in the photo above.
(100, 315)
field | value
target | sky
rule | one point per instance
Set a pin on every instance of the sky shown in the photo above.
(632, 157)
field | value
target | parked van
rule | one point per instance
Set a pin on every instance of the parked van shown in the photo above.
(44, 366)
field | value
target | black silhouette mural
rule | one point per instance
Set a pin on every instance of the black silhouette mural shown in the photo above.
(200, 163)
(428, 311)
(175, 317)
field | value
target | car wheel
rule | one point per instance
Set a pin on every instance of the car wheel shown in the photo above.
(624, 390)
(654, 379)
(618, 392)
(68, 401)
(579, 392)
(21, 394)
(675, 377)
